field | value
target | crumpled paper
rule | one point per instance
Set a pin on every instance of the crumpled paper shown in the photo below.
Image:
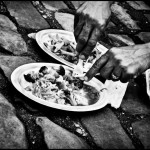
(115, 92)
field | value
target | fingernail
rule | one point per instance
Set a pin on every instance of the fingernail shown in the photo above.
(82, 57)
(86, 78)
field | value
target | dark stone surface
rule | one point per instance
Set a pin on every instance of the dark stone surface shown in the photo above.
(26, 15)
(135, 100)
(106, 130)
(54, 5)
(59, 138)
(141, 128)
(12, 131)
(12, 42)
(9, 63)
(26, 124)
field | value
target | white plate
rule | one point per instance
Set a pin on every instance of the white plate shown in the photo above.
(43, 36)
(17, 80)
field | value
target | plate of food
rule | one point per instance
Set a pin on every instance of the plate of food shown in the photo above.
(61, 45)
(54, 86)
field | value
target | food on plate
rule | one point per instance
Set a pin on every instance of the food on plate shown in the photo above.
(66, 49)
(56, 84)
(62, 47)
(96, 54)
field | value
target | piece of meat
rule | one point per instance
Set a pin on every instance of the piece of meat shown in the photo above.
(29, 78)
(61, 70)
(78, 83)
(43, 70)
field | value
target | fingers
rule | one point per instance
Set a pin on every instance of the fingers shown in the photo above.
(86, 35)
(90, 43)
(106, 71)
(125, 77)
(76, 20)
(96, 67)
(83, 37)
(117, 73)
(78, 27)
(130, 72)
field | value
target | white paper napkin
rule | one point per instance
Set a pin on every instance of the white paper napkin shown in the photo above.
(116, 91)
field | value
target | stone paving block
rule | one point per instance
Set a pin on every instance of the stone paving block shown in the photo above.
(9, 63)
(12, 42)
(12, 131)
(133, 102)
(58, 138)
(54, 5)
(139, 5)
(106, 130)
(26, 15)
(147, 16)
(123, 38)
(142, 129)
(123, 16)
(66, 20)
(144, 36)
(7, 23)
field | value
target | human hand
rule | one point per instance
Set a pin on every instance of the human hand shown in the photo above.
(124, 63)
(90, 21)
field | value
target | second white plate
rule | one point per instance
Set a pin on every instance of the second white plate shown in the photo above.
(17, 78)
(43, 36)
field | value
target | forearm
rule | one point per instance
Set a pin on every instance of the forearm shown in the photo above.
(90, 21)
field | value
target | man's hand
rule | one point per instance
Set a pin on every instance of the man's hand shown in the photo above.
(90, 21)
(122, 63)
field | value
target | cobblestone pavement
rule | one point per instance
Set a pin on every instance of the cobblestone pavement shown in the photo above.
(25, 124)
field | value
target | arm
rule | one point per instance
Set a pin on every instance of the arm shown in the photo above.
(90, 21)
(124, 62)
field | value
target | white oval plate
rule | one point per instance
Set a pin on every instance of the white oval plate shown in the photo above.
(43, 36)
(17, 80)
